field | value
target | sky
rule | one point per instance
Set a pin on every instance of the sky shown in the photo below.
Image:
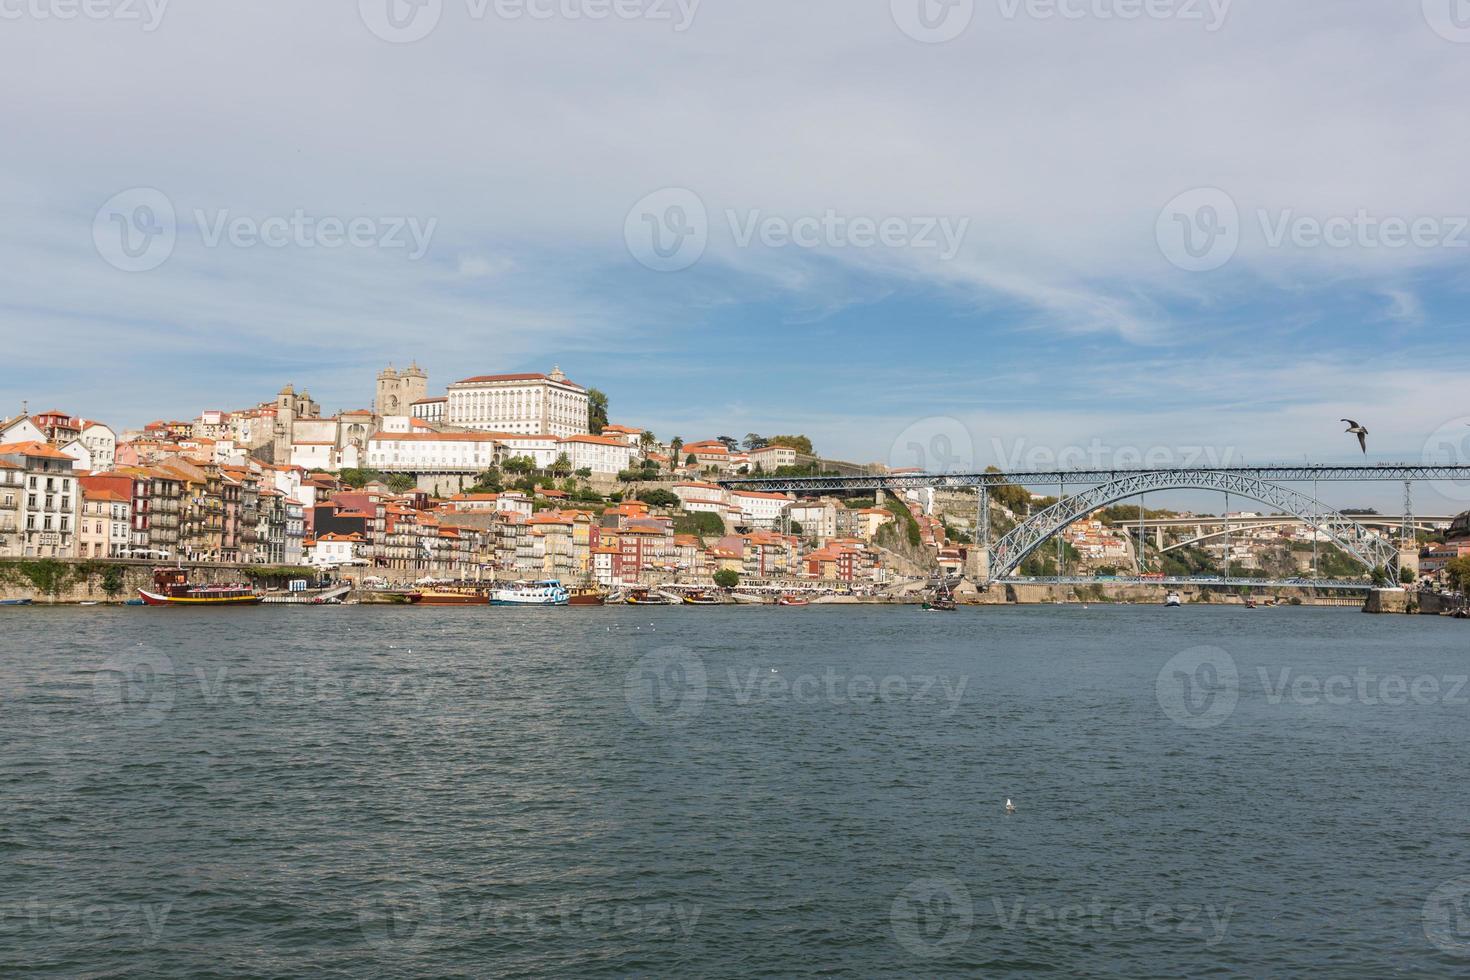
(949, 233)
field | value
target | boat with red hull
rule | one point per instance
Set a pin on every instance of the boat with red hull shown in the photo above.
(171, 587)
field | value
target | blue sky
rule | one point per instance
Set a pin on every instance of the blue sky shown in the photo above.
(1072, 150)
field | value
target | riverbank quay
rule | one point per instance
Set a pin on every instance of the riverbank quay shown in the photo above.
(71, 581)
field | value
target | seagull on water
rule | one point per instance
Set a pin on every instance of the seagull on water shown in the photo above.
(1010, 807)
(1358, 431)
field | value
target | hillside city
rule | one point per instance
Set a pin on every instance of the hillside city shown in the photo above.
(516, 476)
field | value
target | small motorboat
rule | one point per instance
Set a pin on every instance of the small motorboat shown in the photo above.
(134, 602)
(16, 602)
(791, 600)
(940, 605)
(1172, 600)
(90, 602)
(645, 597)
(700, 598)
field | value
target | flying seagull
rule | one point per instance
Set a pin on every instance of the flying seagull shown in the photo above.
(1358, 431)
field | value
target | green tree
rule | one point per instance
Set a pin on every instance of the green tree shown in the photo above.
(754, 441)
(800, 443)
(519, 465)
(562, 466)
(675, 444)
(112, 581)
(691, 460)
(727, 578)
(660, 498)
(400, 483)
(585, 472)
(596, 411)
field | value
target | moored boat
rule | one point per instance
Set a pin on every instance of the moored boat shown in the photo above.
(587, 597)
(1172, 600)
(171, 587)
(549, 592)
(791, 600)
(700, 598)
(16, 602)
(449, 597)
(646, 597)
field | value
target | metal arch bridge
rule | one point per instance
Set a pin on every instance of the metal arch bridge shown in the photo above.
(1104, 487)
(1371, 551)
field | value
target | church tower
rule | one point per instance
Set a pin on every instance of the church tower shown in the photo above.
(398, 390)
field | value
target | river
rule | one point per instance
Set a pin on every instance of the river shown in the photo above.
(390, 791)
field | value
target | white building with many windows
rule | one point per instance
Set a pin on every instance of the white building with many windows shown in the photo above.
(600, 454)
(432, 452)
(519, 403)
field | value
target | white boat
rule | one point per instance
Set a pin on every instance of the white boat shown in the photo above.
(1172, 599)
(547, 593)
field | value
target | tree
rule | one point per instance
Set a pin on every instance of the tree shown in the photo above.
(112, 581)
(400, 483)
(519, 465)
(801, 444)
(585, 472)
(1406, 576)
(731, 443)
(691, 460)
(660, 498)
(488, 482)
(596, 411)
(727, 578)
(562, 466)
(754, 441)
(675, 444)
(1457, 572)
(646, 442)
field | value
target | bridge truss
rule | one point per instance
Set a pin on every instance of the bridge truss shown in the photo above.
(1370, 550)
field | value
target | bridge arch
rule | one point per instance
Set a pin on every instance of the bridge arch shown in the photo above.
(1013, 549)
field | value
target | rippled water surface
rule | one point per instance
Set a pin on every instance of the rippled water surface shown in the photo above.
(743, 792)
